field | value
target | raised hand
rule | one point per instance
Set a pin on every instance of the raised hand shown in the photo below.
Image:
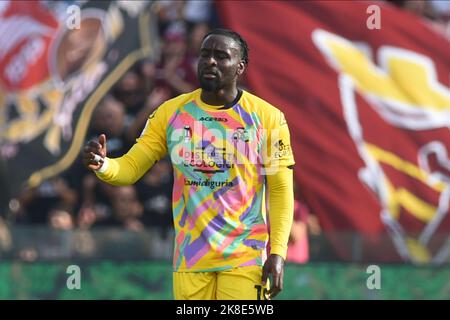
(94, 153)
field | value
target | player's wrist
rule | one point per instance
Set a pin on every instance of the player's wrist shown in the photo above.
(103, 167)
(279, 251)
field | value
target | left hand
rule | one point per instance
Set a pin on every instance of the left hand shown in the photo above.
(275, 266)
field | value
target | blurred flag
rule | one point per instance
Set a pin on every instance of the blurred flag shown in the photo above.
(57, 61)
(369, 112)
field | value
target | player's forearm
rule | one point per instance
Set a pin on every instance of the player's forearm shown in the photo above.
(127, 169)
(281, 209)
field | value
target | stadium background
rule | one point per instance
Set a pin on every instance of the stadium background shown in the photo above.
(60, 86)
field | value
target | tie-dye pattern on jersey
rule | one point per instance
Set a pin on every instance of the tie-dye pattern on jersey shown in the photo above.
(218, 198)
(220, 158)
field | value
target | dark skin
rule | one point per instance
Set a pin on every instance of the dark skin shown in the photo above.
(94, 148)
(219, 67)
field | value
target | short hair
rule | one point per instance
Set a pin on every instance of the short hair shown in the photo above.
(236, 37)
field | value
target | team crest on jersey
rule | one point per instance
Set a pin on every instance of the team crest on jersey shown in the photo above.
(241, 134)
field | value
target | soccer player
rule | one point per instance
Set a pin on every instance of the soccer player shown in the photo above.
(227, 147)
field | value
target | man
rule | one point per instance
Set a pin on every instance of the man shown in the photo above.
(225, 144)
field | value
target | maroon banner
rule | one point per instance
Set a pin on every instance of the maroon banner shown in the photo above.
(365, 90)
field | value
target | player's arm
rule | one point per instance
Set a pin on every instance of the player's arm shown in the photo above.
(125, 170)
(281, 208)
(279, 178)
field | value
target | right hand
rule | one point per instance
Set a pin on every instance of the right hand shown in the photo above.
(93, 148)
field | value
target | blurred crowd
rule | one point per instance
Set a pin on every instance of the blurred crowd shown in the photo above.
(77, 200)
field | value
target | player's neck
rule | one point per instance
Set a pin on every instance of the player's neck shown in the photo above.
(220, 97)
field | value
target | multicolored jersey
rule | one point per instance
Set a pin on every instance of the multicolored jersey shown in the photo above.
(221, 159)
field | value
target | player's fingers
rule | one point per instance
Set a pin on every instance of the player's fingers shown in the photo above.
(281, 280)
(102, 140)
(94, 163)
(88, 154)
(273, 293)
(273, 286)
(94, 144)
(88, 149)
(265, 275)
(277, 284)
(95, 158)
